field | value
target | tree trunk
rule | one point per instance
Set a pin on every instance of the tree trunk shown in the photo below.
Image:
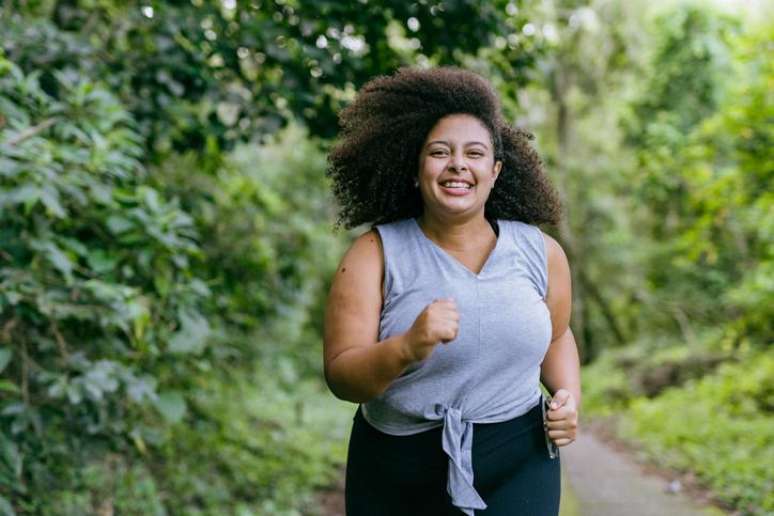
(559, 84)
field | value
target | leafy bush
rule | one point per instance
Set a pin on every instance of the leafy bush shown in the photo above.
(97, 298)
(720, 427)
(127, 295)
(702, 135)
(648, 366)
(260, 449)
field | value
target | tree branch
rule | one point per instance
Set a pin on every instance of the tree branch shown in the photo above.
(32, 131)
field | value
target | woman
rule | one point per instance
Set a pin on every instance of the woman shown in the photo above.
(444, 318)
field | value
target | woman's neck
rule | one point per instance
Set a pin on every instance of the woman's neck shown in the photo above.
(457, 235)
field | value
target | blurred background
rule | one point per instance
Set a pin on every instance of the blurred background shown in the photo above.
(167, 239)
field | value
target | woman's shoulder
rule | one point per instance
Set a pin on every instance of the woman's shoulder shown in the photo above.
(551, 250)
(524, 231)
(395, 233)
(396, 224)
(370, 243)
(367, 246)
(362, 262)
(529, 237)
(520, 224)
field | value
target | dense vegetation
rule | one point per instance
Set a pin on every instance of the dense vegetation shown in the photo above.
(699, 396)
(166, 234)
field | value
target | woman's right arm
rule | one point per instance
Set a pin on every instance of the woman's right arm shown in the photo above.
(357, 366)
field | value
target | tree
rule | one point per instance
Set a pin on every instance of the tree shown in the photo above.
(205, 71)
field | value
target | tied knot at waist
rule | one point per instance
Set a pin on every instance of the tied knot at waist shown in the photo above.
(457, 442)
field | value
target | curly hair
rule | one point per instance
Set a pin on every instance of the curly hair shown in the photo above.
(376, 158)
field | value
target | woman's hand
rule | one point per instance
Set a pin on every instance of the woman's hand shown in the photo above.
(562, 418)
(438, 322)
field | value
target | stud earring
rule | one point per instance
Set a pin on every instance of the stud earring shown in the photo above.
(416, 183)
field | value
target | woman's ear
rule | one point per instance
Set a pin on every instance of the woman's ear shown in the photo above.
(497, 167)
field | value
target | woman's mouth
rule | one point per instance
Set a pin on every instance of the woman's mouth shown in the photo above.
(456, 187)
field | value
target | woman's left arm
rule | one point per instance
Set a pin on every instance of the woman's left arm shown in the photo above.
(560, 371)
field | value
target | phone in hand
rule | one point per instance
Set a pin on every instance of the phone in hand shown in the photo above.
(553, 449)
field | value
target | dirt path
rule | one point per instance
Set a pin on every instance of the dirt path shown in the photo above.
(331, 501)
(602, 480)
(599, 478)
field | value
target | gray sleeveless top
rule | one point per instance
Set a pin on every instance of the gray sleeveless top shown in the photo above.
(491, 371)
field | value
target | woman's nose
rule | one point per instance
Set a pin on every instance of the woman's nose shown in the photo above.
(457, 161)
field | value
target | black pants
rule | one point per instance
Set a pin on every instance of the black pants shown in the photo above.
(390, 475)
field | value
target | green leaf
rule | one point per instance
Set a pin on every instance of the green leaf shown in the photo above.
(11, 458)
(74, 394)
(5, 507)
(172, 406)
(101, 262)
(25, 194)
(55, 256)
(192, 335)
(117, 224)
(7, 386)
(60, 260)
(50, 198)
(5, 357)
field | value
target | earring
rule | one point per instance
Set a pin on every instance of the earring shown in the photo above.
(416, 183)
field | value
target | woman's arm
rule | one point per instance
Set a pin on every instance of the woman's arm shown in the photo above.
(357, 367)
(561, 366)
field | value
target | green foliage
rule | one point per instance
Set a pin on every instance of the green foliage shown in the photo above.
(266, 214)
(689, 61)
(730, 171)
(718, 426)
(96, 267)
(647, 367)
(673, 237)
(116, 313)
(161, 301)
(718, 227)
(710, 266)
(107, 485)
(196, 74)
(721, 428)
(261, 450)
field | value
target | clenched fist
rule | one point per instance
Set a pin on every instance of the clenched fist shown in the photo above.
(562, 423)
(438, 322)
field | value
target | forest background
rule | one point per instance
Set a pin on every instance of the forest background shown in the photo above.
(167, 241)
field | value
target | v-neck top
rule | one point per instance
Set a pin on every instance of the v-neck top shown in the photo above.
(491, 372)
(495, 227)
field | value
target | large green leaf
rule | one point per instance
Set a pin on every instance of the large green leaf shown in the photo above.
(5, 358)
(6, 509)
(172, 406)
(193, 333)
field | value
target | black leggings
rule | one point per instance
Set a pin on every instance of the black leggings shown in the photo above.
(406, 475)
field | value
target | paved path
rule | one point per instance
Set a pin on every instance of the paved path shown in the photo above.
(599, 481)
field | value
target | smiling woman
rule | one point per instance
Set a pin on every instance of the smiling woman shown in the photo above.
(444, 317)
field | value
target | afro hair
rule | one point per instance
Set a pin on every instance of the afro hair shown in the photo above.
(375, 160)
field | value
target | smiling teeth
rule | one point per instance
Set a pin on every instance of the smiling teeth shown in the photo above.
(454, 184)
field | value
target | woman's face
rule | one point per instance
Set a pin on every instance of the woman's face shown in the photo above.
(457, 169)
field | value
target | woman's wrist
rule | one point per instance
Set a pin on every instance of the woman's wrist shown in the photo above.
(403, 350)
